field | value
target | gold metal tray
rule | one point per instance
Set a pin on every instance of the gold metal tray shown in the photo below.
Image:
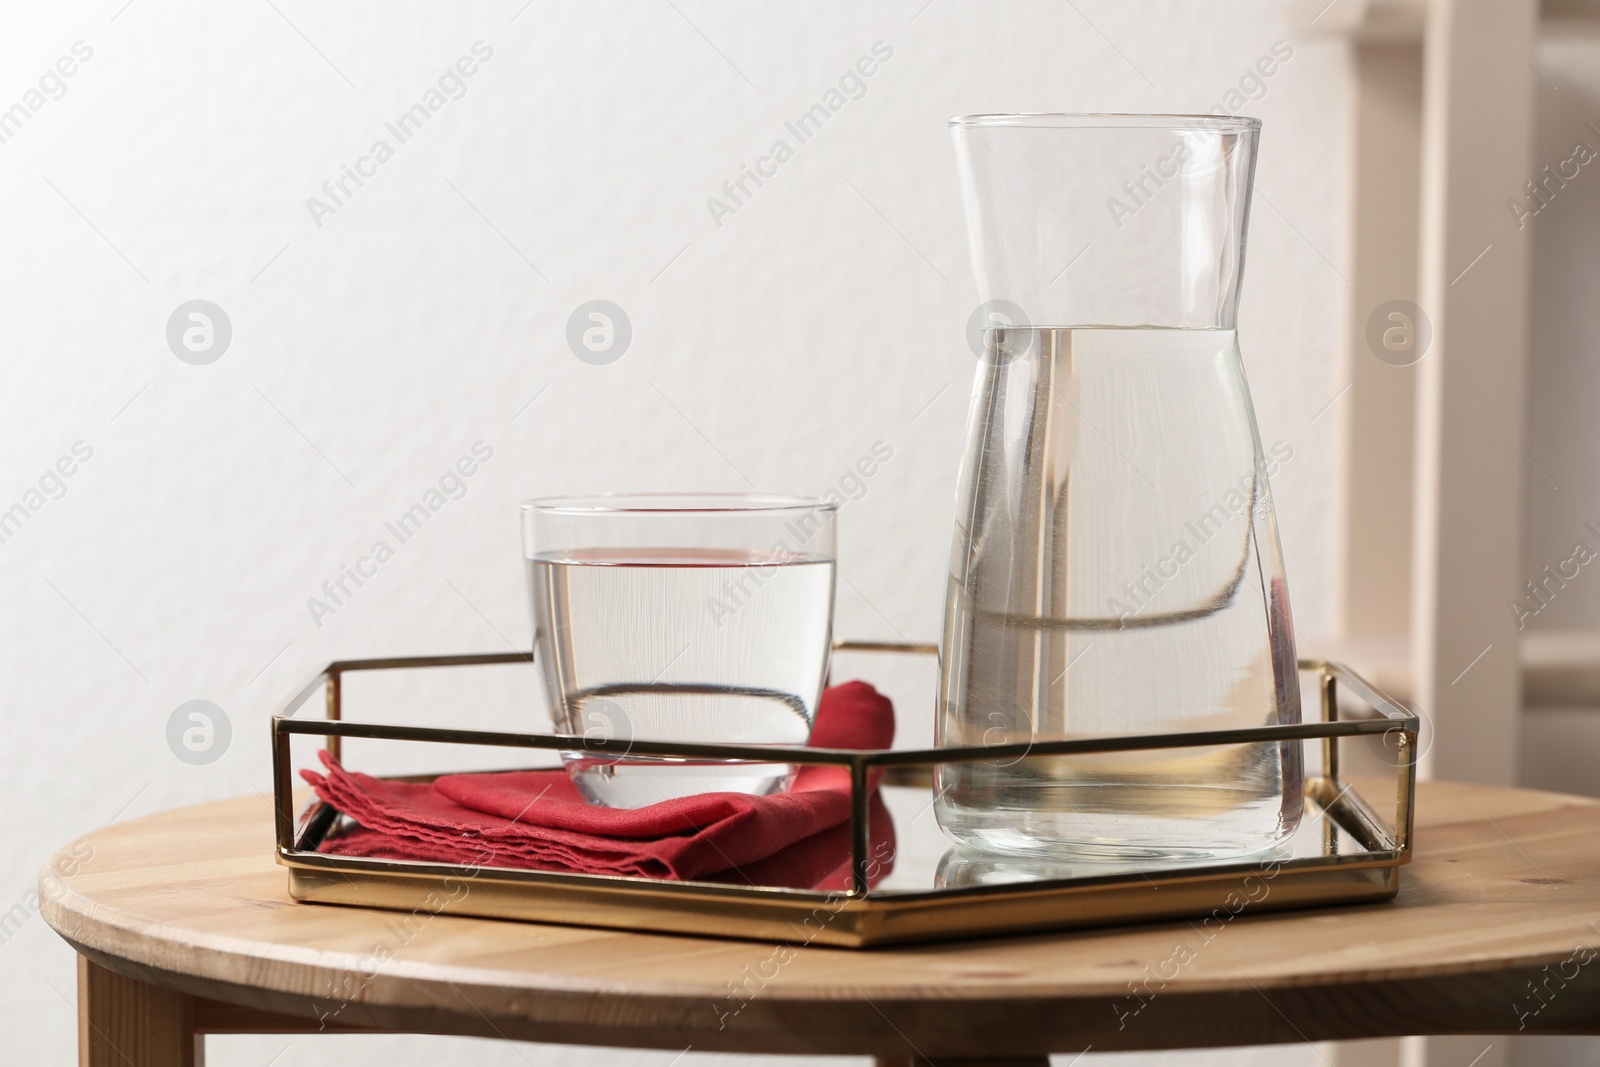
(1344, 851)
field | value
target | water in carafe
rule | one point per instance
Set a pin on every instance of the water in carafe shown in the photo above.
(1116, 567)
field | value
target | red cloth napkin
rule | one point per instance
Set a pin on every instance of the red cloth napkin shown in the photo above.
(538, 820)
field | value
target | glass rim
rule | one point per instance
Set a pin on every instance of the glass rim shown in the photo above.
(674, 504)
(1060, 120)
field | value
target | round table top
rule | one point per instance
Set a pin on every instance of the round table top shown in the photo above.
(1503, 883)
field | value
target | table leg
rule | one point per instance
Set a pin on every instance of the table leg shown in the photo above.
(981, 1061)
(123, 1022)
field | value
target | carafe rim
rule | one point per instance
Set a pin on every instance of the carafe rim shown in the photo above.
(1108, 120)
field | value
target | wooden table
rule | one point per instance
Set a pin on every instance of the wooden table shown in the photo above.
(185, 928)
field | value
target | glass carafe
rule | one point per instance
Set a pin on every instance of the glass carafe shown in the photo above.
(1116, 567)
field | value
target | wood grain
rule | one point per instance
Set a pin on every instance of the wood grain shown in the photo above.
(127, 1023)
(1504, 891)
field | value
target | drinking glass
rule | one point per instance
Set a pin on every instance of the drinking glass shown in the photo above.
(671, 617)
(1116, 567)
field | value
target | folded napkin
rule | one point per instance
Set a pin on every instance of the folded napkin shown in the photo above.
(538, 820)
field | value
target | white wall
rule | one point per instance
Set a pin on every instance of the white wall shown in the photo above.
(421, 317)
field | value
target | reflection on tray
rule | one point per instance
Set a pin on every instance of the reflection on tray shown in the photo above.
(1318, 837)
(961, 867)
